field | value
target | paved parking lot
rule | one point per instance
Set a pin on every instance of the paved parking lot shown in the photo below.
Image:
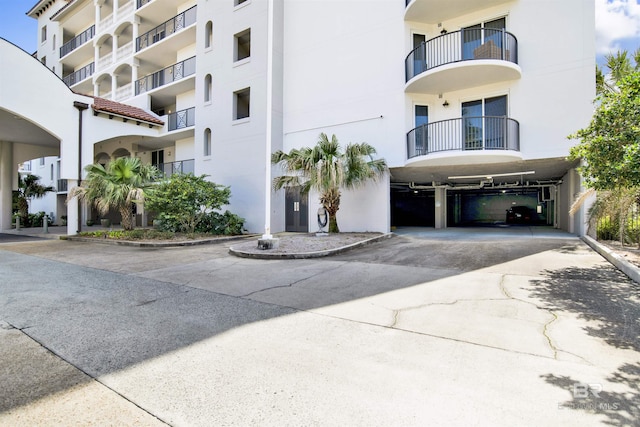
(458, 327)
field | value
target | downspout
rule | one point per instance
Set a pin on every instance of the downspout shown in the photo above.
(81, 106)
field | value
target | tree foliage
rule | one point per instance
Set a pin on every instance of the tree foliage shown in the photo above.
(29, 188)
(327, 169)
(183, 201)
(610, 145)
(121, 184)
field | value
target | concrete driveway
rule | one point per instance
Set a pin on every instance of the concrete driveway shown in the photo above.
(457, 327)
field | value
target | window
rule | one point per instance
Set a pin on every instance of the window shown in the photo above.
(238, 2)
(242, 45)
(208, 35)
(487, 34)
(53, 42)
(51, 172)
(241, 100)
(41, 161)
(43, 34)
(421, 133)
(207, 88)
(484, 123)
(207, 142)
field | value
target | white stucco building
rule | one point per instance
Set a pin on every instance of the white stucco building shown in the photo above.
(470, 102)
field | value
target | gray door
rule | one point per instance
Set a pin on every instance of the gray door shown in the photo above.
(296, 211)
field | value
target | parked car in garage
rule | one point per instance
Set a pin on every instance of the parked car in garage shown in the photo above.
(519, 215)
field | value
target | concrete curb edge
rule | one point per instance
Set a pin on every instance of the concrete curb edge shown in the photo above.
(305, 255)
(619, 262)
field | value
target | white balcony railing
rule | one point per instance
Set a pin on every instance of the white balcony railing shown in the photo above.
(124, 92)
(124, 51)
(105, 23)
(105, 61)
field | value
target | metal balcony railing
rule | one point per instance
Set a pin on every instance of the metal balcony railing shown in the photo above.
(77, 41)
(464, 134)
(143, 2)
(167, 28)
(165, 76)
(182, 119)
(182, 166)
(61, 186)
(79, 75)
(462, 45)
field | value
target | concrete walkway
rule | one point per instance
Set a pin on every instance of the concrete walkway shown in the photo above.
(430, 330)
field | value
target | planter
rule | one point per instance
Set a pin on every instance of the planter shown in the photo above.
(105, 222)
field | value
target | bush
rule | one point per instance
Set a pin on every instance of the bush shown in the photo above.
(37, 220)
(607, 228)
(183, 201)
(227, 223)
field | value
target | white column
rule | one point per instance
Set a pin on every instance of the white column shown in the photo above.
(72, 210)
(6, 183)
(269, 118)
(441, 208)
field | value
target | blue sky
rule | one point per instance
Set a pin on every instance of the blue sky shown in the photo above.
(617, 25)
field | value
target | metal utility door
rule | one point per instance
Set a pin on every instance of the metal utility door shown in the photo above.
(296, 211)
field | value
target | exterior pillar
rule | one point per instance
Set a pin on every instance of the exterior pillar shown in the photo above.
(72, 210)
(441, 208)
(6, 183)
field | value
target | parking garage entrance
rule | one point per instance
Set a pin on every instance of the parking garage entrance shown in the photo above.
(416, 207)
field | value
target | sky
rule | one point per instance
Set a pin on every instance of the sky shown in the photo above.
(617, 25)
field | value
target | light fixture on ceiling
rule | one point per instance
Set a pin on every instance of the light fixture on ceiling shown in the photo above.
(492, 176)
(445, 104)
(443, 32)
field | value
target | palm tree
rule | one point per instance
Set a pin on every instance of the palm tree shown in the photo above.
(619, 66)
(29, 188)
(117, 186)
(327, 169)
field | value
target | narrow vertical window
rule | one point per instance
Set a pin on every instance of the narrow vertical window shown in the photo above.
(208, 34)
(208, 93)
(43, 34)
(207, 142)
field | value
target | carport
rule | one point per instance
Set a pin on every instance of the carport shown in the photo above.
(480, 194)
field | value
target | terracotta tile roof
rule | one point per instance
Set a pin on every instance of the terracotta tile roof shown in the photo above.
(101, 105)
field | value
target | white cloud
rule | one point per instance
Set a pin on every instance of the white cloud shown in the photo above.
(616, 20)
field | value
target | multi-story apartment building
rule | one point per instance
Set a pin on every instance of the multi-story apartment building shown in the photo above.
(470, 102)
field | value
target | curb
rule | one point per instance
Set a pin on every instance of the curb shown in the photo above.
(305, 255)
(155, 244)
(619, 262)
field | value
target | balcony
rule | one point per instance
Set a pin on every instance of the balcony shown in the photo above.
(166, 29)
(77, 41)
(462, 59)
(182, 166)
(167, 75)
(182, 119)
(486, 137)
(62, 187)
(79, 75)
(435, 11)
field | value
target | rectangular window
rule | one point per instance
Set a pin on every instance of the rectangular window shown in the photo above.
(484, 123)
(241, 101)
(421, 132)
(41, 161)
(484, 40)
(43, 34)
(242, 45)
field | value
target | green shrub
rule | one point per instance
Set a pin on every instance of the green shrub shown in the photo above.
(227, 223)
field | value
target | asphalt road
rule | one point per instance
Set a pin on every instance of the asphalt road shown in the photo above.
(456, 328)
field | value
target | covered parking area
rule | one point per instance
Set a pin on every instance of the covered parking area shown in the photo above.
(481, 194)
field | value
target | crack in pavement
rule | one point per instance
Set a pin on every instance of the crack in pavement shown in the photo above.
(290, 284)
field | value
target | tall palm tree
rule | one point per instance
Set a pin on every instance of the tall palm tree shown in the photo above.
(117, 186)
(619, 65)
(29, 188)
(327, 169)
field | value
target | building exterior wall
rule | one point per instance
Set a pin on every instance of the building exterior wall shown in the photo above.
(333, 67)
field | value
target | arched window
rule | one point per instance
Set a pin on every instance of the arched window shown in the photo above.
(207, 142)
(208, 34)
(207, 88)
